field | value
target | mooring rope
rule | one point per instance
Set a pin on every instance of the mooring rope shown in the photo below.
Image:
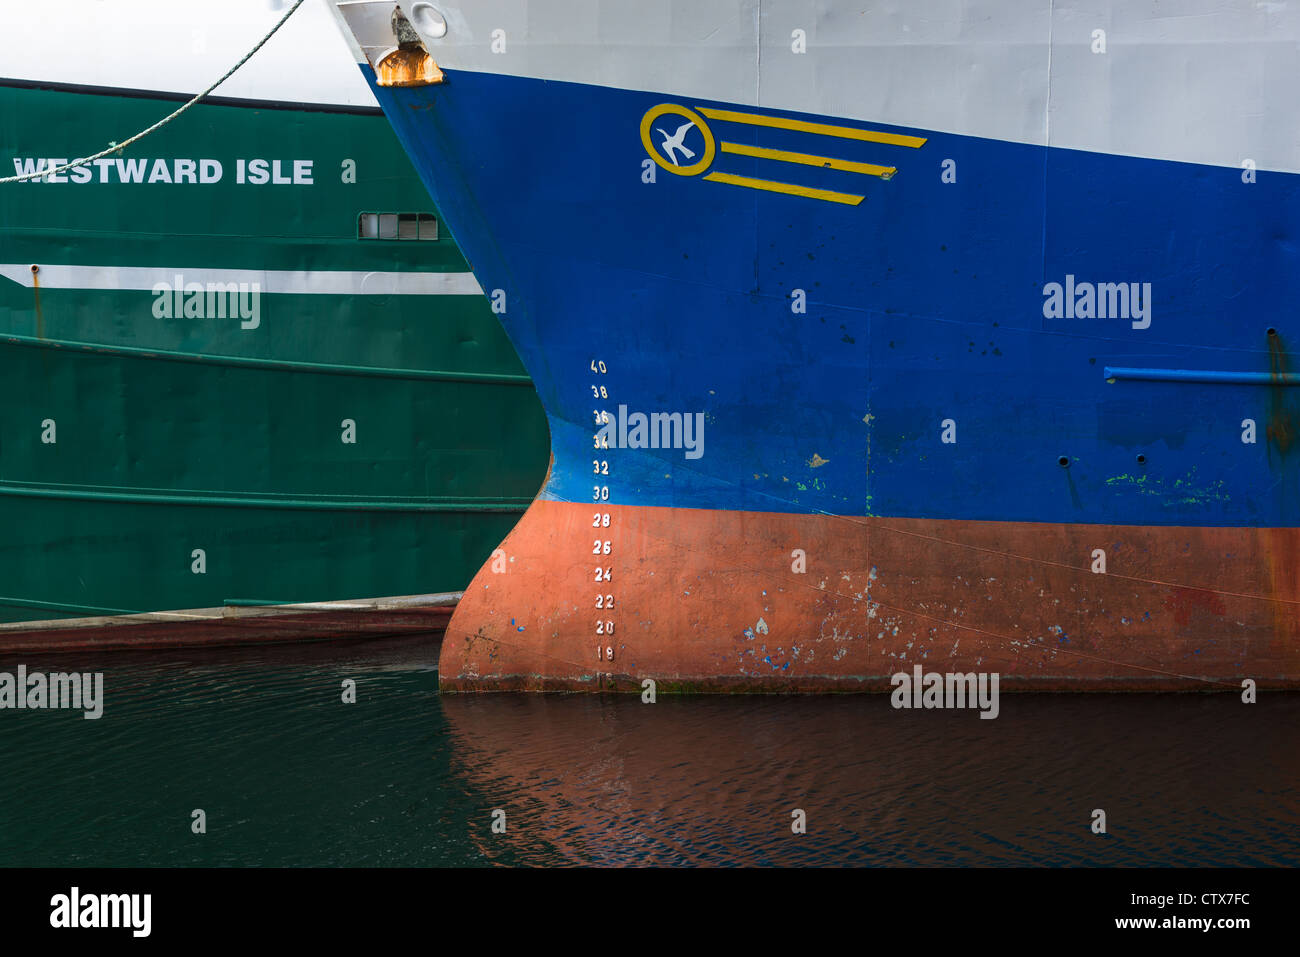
(118, 147)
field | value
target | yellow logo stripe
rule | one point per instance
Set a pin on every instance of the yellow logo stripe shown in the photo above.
(807, 159)
(803, 126)
(830, 196)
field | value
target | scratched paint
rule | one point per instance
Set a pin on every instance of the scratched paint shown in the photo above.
(960, 596)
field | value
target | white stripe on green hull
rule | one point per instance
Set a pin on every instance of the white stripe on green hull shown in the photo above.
(293, 282)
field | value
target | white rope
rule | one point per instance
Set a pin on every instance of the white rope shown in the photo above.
(118, 147)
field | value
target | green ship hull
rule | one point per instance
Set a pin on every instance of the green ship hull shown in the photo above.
(350, 422)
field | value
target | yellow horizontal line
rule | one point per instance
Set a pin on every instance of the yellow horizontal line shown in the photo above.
(791, 189)
(807, 159)
(803, 126)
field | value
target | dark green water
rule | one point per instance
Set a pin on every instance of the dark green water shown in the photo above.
(289, 775)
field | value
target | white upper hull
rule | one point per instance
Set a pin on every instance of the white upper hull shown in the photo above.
(1202, 81)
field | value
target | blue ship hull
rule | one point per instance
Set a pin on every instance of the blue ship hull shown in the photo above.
(924, 303)
(958, 401)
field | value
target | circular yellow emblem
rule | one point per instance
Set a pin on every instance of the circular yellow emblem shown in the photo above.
(672, 153)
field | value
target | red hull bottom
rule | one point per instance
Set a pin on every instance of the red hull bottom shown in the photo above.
(723, 601)
(232, 626)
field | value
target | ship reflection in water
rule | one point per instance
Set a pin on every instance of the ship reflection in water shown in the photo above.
(1182, 779)
(289, 775)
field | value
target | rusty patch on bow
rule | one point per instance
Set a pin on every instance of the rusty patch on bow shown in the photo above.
(408, 67)
(410, 64)
(1281, 429)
